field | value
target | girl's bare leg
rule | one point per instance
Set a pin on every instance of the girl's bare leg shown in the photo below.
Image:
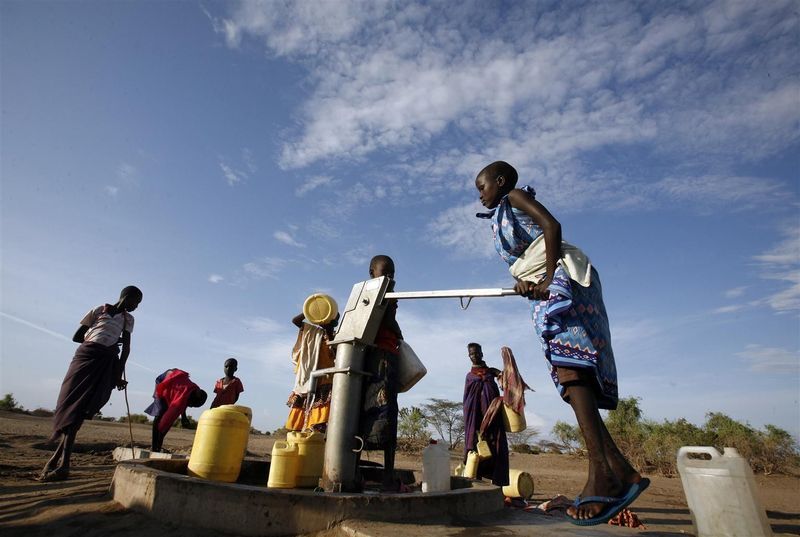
(602, 479)
(69, 442)
(57, 468)
(626, 473)
(53, 462)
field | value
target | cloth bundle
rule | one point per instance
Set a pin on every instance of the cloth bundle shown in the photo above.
(513, 390)
(531, 266)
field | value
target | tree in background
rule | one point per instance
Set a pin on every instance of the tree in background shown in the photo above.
(568, 436)
(135, 418)
(190, 425)
(663, 440)
(412, 429)
(768, 451)
(9, 403)
(778, 450)
(447, 418)
(521, 442)
(628, 430)
(653, 446)
(280, 432)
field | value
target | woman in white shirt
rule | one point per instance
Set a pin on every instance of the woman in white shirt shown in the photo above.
(94, 371)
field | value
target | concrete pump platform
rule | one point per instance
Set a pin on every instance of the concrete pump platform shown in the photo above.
(161, 488)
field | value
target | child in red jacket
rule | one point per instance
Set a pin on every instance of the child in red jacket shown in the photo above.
(174, 393)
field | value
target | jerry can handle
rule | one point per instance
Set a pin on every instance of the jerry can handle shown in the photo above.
(684, 451)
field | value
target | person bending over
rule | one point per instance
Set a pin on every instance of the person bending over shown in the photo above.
(173, 394)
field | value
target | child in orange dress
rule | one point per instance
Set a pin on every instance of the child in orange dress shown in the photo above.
(228, 387)
(310, 353)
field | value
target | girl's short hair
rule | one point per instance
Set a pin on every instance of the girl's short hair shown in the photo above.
(501, 167)
(131, 290)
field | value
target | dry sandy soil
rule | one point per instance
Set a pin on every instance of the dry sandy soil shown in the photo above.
(82, 507)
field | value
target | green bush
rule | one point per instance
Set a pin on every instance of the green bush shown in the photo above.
(191, 425)
(653, 446)
(568, 436)
(723, 431)
(662, 441)
(546, 446)
(42, 413)
(280, 432)
(628, 430)
(135, 418)
(409, 445)
(778, 451)
(412, 430)
(9, 403)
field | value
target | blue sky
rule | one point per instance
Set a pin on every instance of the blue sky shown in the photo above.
(231, 158)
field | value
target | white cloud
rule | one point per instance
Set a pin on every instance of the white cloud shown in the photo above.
(263, 325)
(232, 177)
(247, 158)
(124, 176)
(458, 229)
(771, 359)
(563, 82)
(286, 238)
(306, 27)
(391, 77)
(235, 175)
(725, 190)
(35, 326)
(359, 256)
(782, 263)
(266, 267)
(125, 171)
(733, 308)
(312, 184)
(736, 292)
(215, 278)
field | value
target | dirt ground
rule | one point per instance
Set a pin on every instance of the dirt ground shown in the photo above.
(82, 506)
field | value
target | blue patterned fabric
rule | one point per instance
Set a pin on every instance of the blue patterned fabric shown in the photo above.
(572, 324)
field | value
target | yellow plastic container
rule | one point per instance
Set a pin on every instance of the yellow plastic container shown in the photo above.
(283, 466)
(239, 408)
(320, 308)
(219, 445)
(482, 447)
(471, 468)
(248, 413)
(310, 456)
(514, 423)
(520, 485)
(459, 471)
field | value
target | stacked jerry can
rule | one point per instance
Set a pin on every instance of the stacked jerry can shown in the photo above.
(297, 462)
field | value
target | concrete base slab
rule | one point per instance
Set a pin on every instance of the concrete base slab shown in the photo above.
(124, 454)
(161, 488)
(506, 523)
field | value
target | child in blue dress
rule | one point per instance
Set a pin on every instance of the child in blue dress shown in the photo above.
(569, 315)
